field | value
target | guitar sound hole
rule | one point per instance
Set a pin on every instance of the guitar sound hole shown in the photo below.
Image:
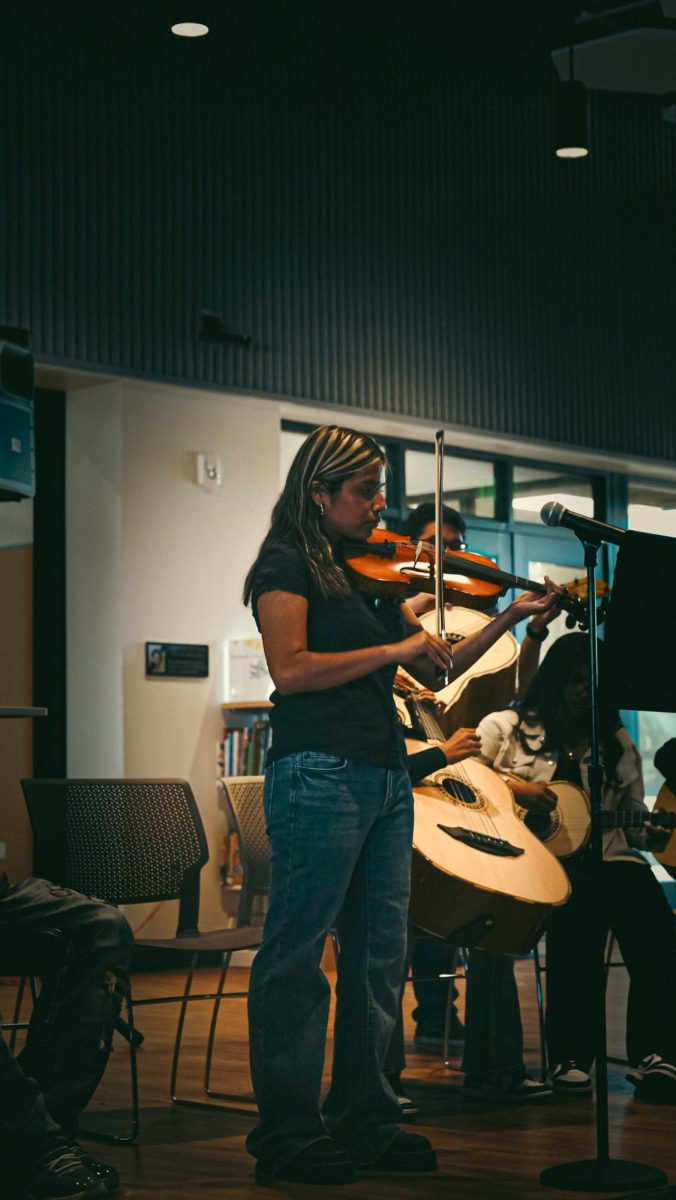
(460, 791)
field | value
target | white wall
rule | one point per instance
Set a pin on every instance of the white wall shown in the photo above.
(154, 557)
(16, 523)
(94, 566)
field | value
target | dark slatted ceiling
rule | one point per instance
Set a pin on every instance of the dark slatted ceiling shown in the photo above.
(367, 189)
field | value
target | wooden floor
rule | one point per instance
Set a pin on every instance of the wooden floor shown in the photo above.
(484, 1150)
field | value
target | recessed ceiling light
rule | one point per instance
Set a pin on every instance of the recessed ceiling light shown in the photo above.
(189, 29)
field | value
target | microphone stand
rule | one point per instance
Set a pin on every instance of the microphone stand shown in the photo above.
(602, 1173)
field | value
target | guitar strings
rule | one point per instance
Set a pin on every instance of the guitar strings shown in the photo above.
(488, 821)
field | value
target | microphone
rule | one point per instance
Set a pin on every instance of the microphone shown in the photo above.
(553, 513)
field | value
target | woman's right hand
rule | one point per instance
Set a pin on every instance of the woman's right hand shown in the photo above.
(424, 645)
(535, 797)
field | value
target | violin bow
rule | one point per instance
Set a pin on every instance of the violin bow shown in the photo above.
(439, 536)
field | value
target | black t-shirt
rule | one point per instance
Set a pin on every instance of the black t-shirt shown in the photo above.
(357, 720)
(568, 770)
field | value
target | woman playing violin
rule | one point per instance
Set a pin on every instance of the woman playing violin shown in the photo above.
(339, 814)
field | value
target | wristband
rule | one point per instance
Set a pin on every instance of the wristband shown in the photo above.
(537, 636)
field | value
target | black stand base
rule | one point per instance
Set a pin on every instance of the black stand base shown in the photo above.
(602, 1175)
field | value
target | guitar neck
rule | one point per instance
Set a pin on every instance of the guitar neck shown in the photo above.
(424, 718)
(636, 820)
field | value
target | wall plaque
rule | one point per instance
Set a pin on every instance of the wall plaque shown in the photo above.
(172, 659)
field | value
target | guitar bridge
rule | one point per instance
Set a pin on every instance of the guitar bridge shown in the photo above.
(482, 841)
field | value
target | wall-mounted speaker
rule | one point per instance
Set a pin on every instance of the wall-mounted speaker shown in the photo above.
(17, 436)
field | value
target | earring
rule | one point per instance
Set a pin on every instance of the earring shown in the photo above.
(321, 509)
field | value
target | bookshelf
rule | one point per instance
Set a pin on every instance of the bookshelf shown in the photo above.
(246, 737)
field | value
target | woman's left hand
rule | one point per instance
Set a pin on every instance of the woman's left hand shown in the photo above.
(464, 743)
(657, 837)
(530, 604)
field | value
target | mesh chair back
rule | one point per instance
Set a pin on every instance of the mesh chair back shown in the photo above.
(128, 841)
(244, 798)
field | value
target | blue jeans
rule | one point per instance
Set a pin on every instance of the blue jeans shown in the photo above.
(341, 836)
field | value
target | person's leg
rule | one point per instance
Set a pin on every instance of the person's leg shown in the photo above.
(643, 923)
(318, 812)
(432, 958)
(576, 935)
(395, 1056)
(361, 1109)
(493, 1032)
(24, 1120)
(80, 947)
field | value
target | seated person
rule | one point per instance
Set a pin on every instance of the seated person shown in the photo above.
(493, 1058)
(493, 1063)
(437, 955)
(546, 737)
(665, 763)
(80, 948)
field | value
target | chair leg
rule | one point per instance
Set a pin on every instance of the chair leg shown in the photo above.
(538, 968)
(16, 1023)
(214, 1022)
(179, 1030)
(460, 960)
(247, 1110)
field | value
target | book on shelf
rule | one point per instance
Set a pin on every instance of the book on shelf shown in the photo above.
(230, 862)
(243, 749)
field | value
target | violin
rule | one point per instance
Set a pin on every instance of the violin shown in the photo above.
(390, 564)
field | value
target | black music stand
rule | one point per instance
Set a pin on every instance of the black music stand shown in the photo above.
(642, 671)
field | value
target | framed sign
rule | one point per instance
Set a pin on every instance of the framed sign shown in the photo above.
(171, 659)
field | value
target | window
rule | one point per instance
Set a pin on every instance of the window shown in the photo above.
(652, 508)
(533, 487)
(290, 443)
(469, 483)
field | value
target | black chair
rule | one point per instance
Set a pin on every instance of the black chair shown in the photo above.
(131, 841)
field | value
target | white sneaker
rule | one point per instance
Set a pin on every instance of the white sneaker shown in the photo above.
(568, 1078)
(654, 1079)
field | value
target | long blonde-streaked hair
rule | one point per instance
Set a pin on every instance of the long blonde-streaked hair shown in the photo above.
(329, 455)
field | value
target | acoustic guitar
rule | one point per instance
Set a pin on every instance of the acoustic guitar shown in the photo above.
(489, 684)
(567, 828)
(479, 876)
(666, 803)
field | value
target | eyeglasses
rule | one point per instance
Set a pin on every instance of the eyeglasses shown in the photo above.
(455, 544)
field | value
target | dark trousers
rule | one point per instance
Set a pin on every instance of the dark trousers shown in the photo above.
(80, 948)
(428, 958)
(633, 906)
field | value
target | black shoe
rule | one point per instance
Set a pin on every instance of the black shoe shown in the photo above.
(407, 1153)
(654, 1079)
(320, 1162)
(409, 1110)
(61, 1175)
(108, 1175)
